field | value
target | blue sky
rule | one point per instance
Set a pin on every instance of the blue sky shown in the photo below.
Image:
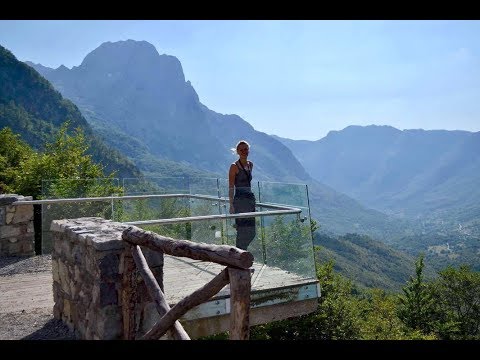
(295, 79)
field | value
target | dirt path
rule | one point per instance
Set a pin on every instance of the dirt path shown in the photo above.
(25, 292)
(26, 301)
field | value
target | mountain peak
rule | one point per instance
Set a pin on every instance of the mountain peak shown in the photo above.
(119, 52)
(140, 59)
(370, 127)
(367, 129)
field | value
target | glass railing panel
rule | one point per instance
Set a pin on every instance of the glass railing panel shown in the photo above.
(287, 238)
(156, 185)
(228, 225)
(158, 208)
(287, 245)
(283, 241)
(76, 189)
(206, 200)
(154, 207)
(294, 195)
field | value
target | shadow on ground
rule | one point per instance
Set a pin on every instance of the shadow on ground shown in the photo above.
(10, 265)
(52, 330)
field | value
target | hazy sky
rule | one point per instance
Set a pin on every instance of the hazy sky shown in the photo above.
(295, 79)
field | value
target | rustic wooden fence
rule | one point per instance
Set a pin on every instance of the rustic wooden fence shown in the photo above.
(237, 273)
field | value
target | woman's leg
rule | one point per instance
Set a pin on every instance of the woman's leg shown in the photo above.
(246, 229)
(245, 232)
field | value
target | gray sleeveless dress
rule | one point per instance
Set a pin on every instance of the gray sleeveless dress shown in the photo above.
(244, 201)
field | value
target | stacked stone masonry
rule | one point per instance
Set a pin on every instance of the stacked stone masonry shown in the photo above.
(87, 266)
(16, 226)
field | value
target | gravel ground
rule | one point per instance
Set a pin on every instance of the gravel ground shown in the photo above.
(21, 265)
(35, 324)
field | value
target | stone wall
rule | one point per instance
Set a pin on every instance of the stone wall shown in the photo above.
(17, 237)
(87, 266)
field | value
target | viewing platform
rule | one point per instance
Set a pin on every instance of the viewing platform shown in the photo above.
(283, 275)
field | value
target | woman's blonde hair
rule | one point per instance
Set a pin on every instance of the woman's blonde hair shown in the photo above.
(234, 149)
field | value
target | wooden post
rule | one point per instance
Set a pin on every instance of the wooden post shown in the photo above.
(196, 298)
(239, 303)
(156, 293)
(129, 294)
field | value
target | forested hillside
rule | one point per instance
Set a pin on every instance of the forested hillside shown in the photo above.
(31, 107)
(367, 262)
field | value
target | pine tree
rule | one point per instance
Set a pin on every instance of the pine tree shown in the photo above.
(416, 303)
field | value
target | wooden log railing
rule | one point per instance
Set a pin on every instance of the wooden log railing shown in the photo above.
(236, 273)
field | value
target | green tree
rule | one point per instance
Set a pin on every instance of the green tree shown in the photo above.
(337, 315)
(456, 295)
(63, 170)
(13, 151)
(379, 320)
(314, 226)
(63, 159)
(344, 312)
(416, 303)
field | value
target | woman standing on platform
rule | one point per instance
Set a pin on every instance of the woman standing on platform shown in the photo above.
(240, 194)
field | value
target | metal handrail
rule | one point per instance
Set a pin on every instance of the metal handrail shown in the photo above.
(99, 198)
(214, 217)
(280, 210)
(131, 197)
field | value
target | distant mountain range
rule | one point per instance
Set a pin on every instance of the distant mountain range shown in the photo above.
(432, 176)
